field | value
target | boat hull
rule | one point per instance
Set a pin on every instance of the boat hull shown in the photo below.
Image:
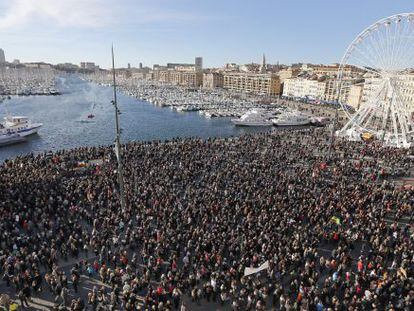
(291, 123)
(15, 139)
(30, 131)
(241, 123)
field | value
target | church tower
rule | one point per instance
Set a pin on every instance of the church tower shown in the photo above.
(263, 67)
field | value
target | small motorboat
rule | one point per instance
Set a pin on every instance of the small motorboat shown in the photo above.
(91, 116)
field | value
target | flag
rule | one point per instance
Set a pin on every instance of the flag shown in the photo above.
(336, 220)
(250, 270)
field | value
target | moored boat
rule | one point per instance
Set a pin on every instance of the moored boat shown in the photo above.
(18, 125)
(11, 139)
(291, 119)
(253, 117)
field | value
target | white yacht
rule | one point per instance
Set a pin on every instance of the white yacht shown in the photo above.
(9, 139)
(291, 119)
(253, 117)
(18, 125)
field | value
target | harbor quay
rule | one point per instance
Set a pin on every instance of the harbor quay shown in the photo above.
(211, 103)
(279, 220)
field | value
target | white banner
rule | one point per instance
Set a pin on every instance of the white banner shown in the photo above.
(248, 271)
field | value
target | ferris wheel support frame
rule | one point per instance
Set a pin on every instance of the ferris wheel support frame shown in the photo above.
(390, 106)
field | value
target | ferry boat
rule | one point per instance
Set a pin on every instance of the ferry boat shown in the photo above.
(18, 125)
(291, 119)
(252, 118)
(11, 139)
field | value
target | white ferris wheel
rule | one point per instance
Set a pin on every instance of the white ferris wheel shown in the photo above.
(378, 66)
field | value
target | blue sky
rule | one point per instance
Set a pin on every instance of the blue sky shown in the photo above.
(160, 31)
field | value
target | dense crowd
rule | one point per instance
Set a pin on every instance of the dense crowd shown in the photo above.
(334, 228)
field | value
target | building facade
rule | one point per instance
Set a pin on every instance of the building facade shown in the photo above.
(327, 90)
(2, 57)
(88, 65)
(301, 88)
(198, 63)
(178, 77)
(355, 96)
(263, 84)
(288, 73)
(212, 80)
(332, 70)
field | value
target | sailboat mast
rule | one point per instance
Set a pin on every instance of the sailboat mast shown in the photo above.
(118, 150)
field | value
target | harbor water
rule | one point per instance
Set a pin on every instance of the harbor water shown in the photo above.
(65, 122)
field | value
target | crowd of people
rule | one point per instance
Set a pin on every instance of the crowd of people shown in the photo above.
(332, 225)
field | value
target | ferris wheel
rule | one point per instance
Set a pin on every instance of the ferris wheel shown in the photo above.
(377, 72)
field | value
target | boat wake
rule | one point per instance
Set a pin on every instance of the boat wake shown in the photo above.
(86, 121)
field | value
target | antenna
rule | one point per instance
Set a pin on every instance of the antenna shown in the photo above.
(118, 150)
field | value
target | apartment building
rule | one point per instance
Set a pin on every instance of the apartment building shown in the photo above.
(288, 73)
(212, 80)
(332, 70)
(177, 77)
(264, 84)
(355, 96)
(301, 88)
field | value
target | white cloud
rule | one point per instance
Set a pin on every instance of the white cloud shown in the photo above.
(65, 13)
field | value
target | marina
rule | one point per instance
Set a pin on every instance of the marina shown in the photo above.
(66, 123)
(208, 103)
(24, 81)
(219, 103)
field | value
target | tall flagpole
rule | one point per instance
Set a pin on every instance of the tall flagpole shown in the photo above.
(118, 150)
(335, 121)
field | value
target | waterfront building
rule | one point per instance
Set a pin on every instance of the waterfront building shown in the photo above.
(331, 89)
(140, 65)
(213, 79)
(40, 65)
(179, 77)
(88, 66)
(143, 73)
(186, 78)
(304, 88)
(326, 90)
(263, 84)
(161, 76)
(406, 84)
(68, 66)
(355, 95)
(2, 57)
(189, 75)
